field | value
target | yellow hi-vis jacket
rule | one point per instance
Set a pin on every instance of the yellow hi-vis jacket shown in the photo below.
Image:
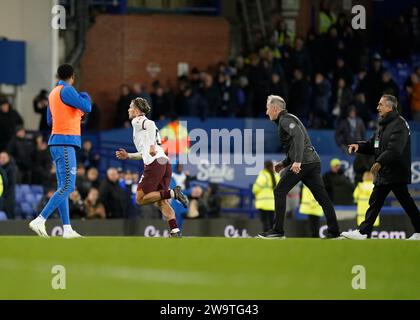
(309, 205)
(263, 190)
(175, 139)
(361, 196)
(1, 186)
(325, 21)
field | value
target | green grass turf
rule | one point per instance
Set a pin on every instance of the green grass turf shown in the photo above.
(207, 268)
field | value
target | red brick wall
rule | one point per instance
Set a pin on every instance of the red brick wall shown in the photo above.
(119, 48)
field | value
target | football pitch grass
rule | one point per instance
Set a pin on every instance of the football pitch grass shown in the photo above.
(207, 268)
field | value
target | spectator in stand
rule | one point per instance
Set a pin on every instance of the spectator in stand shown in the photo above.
(76, 205)
(300, 58)
(213, 201)
(321, 95)
(41, 162)
(87, 181)
(9, 167)
(52, 178)
(330, 49)
(341, 24)
(21, 149)
(82, 184)
(194, 104)
(338, 186)
(227, 91)
(211, 95)
(414, 22)
(240, 67)
(388, 85)
(93, 177)
(278, 86)
(9, 120)
(341, 99)
(197, 207)
(93, 119)
(87, 157)
(129, 185)
(374, 79)
(93, 207)
(349, 130)
(259, 80)
(40, 104)
(282, 32)
(300, 94)
(244, 97)
(182, 85)
(353, 54)
(48, 193)
(113, 196)
(363, 111)
(286, 52)
(362, 84)
(162, 106)
(414, 96)
(341, 71)
(314, 46)
(121, 116)
(195, 80)
(327, 17)
(140, 91)
(400, 45)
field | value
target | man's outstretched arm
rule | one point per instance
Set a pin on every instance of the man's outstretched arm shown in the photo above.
(122, 154)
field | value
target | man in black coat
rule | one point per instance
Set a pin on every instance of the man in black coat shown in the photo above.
(113, 196)
(9, 120)
(302, 163)
(392, 168)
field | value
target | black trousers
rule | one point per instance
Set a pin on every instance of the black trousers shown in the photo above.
(377, 199)
(267, 219)
(310, 175)
(314, 225)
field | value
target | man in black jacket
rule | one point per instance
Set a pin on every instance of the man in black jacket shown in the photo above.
(302, 163)
(392, 168)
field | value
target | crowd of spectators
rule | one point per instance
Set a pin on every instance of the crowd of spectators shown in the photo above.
(329, 79)
(321, 76)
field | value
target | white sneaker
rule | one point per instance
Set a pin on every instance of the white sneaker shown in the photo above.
(354, 235)
(414, 236)
(71, 235)
(39, 228)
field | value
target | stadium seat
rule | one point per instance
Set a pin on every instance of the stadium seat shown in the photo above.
(3, 216)
(37, 189)
(26, 210)
(24, 188)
